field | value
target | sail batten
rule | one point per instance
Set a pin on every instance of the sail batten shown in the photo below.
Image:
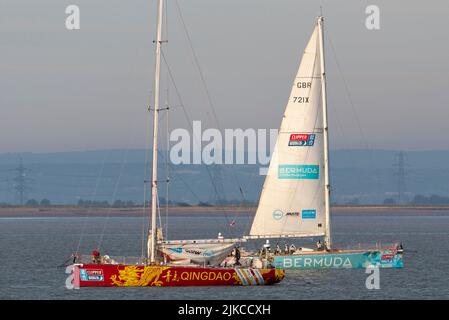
(292, 203)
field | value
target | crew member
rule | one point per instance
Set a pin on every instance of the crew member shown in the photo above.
(266, 248)
(237, 256)
(319, 246)
(326, 247)
(278, 249)
(96, 258)
(292, 248)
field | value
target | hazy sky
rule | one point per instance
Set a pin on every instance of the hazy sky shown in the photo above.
(67, 90)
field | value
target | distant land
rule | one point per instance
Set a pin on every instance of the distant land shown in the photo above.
(75, 211)
(358, 177)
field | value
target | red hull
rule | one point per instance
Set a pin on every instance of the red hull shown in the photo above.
(110, 275)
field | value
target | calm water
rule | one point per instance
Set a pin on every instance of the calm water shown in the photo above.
(31, 248)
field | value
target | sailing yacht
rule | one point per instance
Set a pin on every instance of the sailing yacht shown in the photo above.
(295, 199)
(168, 263)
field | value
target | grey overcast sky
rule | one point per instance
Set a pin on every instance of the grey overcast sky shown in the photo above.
(67, 90)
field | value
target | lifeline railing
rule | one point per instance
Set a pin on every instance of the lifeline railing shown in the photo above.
(84, 258)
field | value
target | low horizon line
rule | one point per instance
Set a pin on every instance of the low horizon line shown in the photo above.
(142, 148)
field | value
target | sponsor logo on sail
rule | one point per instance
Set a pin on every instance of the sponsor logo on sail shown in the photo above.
(308, 214)
(278, 214)
(301, 140)
(298, 171)
(91, 275)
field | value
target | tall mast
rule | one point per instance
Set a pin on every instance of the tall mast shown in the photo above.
(157, 71)
(325, 135)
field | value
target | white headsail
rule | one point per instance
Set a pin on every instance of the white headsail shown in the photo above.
(292, 203)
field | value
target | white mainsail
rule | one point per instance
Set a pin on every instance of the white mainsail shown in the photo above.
(292, 203)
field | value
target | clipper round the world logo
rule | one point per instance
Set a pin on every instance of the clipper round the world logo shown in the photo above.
(301, 140)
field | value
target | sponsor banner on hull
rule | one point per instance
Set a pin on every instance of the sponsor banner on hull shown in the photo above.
(298, 171)
(301, 140)
(142, 276)
(339, 261)
(91, 275)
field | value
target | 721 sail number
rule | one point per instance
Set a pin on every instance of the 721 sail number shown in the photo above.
(300, 99)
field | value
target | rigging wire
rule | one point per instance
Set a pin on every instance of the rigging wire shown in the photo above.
(351, 102)
(364, 141)
(114, 194)
(94, 194)
(191, 128)
(145, 180)
(195, 58)
(188, 187)
(203, 81)
(167, 168)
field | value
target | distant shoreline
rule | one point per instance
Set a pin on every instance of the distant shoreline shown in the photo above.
(74, 211)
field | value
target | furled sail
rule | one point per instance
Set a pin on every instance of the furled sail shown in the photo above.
(292, 203)
(208, 254)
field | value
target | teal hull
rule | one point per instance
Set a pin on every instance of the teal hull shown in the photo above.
(340, 260)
